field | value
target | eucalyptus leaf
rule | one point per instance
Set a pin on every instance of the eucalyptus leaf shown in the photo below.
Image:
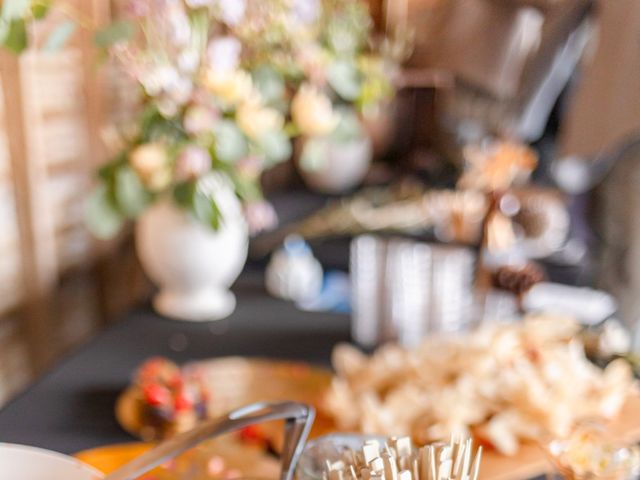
(16, 37)
(102, 219)
(59, 36)
(206, 210)
(269, 83)
(202, 206)
(40, 8)
(314, 154)
(349, 127)
(247, 189)
(276, 146)
(131, 196)
(230, 143)
(117, 32)
(344, 78)
(183, 194)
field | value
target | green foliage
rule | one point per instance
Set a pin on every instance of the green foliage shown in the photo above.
(130, 195)
(269, 83)
(276, 146)
(102, 219)
(203, 207)
(246, 189)
(15, 18)
(349, 127)
(120, 31)
(119, 196)
(16, 37)
(345, 79)
(313, 154)
(230, 143)
(40, 8)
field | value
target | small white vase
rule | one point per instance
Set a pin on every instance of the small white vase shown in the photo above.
(342, 165)
(192, 264)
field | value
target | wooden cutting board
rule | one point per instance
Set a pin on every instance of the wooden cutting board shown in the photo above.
(528, 463)
(259, 379)
(246, 461)
(531, 461)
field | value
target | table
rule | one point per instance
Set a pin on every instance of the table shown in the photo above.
(71, 408)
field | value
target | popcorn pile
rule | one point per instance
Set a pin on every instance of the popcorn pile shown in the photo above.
(502, 383)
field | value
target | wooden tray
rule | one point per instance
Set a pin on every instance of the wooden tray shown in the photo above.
(239, 381)
(246, 461)
(531, 460)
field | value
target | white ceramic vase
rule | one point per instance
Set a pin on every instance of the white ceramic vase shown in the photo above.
(342, 165)
(192, 264)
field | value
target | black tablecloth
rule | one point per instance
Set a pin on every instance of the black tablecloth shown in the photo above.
(72, 407)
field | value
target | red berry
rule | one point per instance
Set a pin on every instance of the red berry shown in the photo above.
(182, 401)
(176, 381)
(156, 395)
(252, 434)
(151, 369)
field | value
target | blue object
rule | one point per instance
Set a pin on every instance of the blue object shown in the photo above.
(335, 295)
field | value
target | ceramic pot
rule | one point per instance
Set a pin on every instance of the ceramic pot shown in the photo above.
(192, 264)
(30, 463)
(334, 167)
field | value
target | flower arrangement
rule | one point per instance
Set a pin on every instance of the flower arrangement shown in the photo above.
(323, 51)
(226, 85)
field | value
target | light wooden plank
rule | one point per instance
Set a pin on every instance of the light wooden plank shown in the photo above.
(36, 234)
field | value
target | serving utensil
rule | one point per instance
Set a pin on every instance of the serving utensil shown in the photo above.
(298, 416)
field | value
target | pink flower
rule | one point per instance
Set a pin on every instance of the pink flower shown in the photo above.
(192, 162)
(261, 216)
(137, 8)
(250, 167)
(199, 119)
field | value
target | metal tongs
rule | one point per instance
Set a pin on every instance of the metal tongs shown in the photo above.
(299, 418)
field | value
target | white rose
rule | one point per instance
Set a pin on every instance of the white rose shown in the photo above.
(188, 60)
(231, 11)
(177, 22)
(305, 11)
(312, 112)
(198, 3)
(158, 78)
(223, 54)
(255, 119)
(230, 86)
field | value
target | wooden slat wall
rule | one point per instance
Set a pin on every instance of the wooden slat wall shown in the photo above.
(55, 280)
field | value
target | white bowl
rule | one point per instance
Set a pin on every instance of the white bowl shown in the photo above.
(19, 462)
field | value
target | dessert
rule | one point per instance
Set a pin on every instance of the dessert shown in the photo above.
(169, 400)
